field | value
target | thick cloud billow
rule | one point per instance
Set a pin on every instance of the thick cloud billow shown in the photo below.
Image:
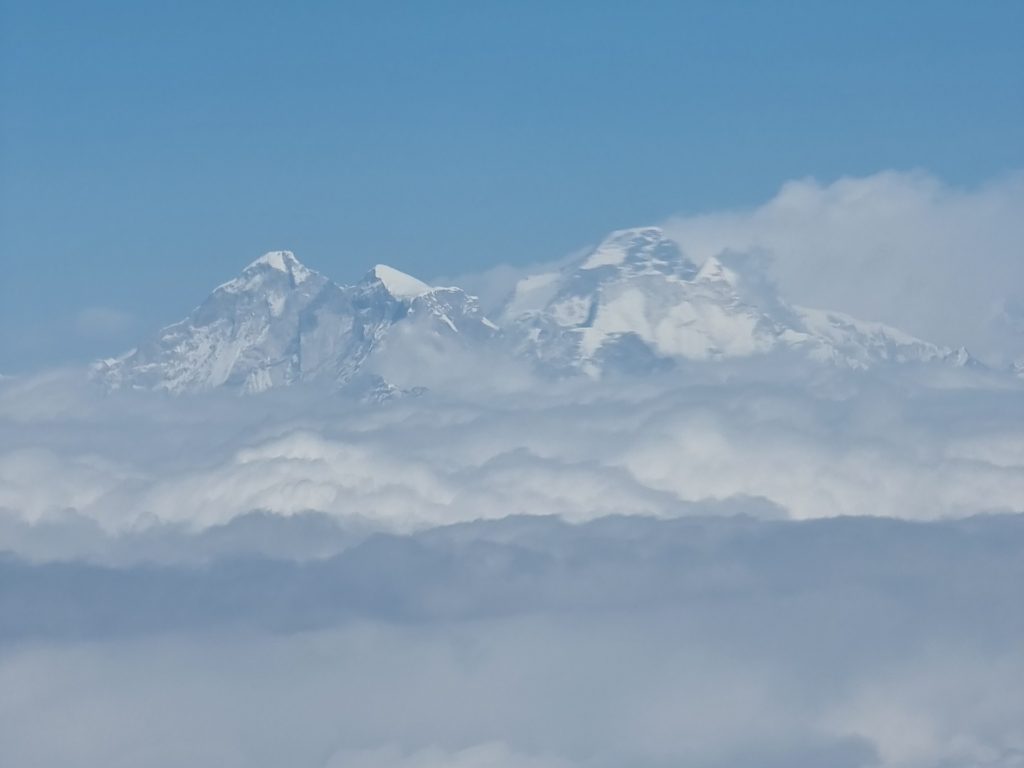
(943, 263)
(792, 442)
(589, 575)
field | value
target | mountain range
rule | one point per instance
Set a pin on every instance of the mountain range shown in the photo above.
(634, 303)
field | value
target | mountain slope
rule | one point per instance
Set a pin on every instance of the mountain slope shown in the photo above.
(637, 301)
(280, 323)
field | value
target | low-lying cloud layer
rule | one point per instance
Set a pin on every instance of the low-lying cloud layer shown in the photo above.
(529, 642)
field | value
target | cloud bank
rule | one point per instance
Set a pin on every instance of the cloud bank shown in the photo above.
(797, 443)
(533, 643)
(943, 263)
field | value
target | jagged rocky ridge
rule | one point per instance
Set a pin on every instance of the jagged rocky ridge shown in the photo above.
(634, 303)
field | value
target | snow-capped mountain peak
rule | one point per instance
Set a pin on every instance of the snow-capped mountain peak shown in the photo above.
(281, 261)
(398, 283)
(278, 268)
(242, 335)
(278, 323)
(637, 301)
(643, 250)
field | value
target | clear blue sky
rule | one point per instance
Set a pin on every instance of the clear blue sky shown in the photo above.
(151, 149)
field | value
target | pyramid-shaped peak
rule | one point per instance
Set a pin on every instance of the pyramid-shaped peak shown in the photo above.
(398, 283)
(279, 260)
(255, 275)
(282, 261)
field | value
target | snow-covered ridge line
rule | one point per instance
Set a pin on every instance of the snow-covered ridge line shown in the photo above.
(632, 304)
(399, 284)
(280, 323)
(637, 300)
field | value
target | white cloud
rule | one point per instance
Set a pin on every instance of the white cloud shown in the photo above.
(806, 445)
(943, 263)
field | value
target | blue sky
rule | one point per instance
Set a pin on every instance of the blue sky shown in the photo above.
(150, 150)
